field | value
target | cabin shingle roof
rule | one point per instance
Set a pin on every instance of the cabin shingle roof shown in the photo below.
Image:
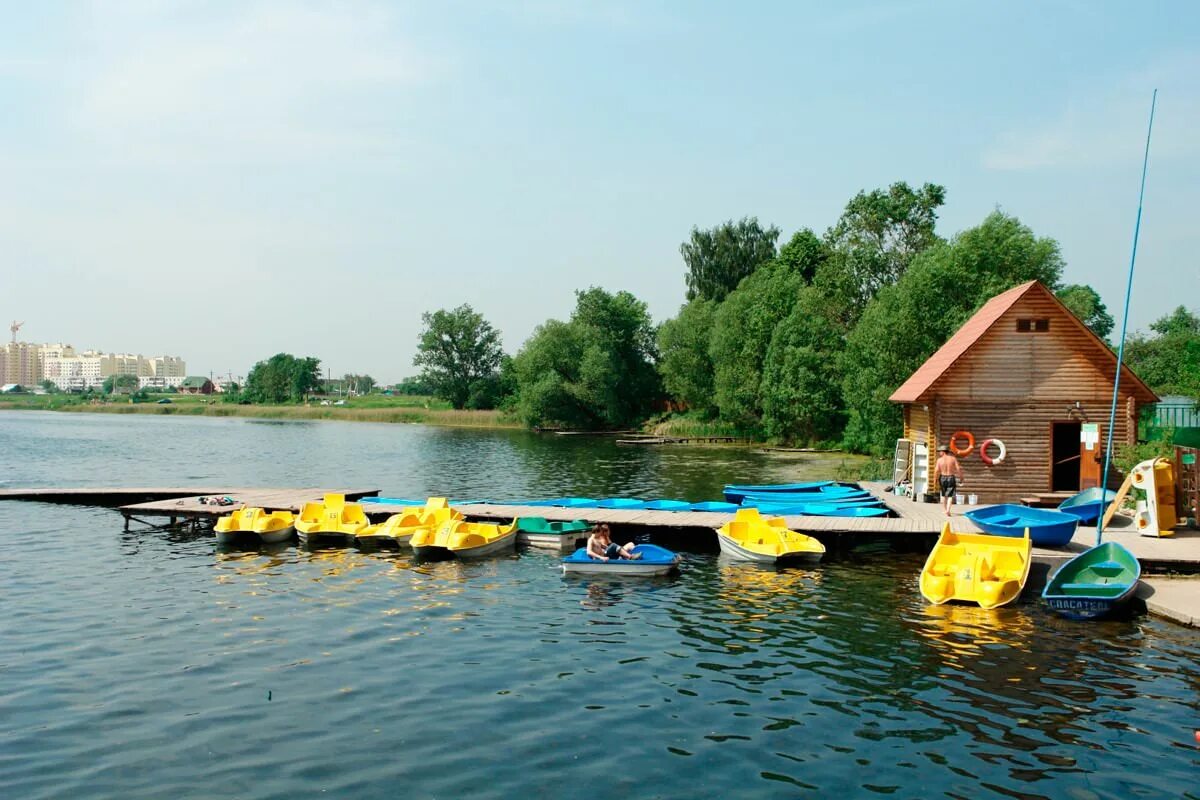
(973, 330)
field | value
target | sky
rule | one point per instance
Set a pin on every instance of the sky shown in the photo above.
(227, 180)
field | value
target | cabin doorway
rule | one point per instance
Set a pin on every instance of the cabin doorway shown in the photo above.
(1065, 457)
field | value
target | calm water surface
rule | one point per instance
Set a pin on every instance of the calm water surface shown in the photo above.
(149, 664)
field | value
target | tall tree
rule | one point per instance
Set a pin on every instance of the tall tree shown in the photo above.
(595, 371)
(1168, 360)
(801, 382)
(1086, 304)
(877, 237)
(906, 322)
(804, 254)
(684, 362)
(457, 349)
(743, 327)
(718, 259)
(282, 378)
(114, 382)
(359, 384)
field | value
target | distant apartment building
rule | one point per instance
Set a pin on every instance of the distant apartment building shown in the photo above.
(76, 371)
(19, 364)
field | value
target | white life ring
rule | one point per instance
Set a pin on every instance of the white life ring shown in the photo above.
(999, 459)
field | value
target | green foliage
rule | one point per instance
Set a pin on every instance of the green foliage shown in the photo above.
(413, 386)
(743, 327)
(1169, 361)
(875, 240)
(114, 382)
(1085, 303)
(684, 362)
(801, 381)
(282, 378)
(804, 254)
(1128, 456)
(907, 322)
(595, 371)
(457, 349)
(50, 387)
(718, 259)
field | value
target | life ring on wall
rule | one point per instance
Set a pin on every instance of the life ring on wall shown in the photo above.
(999, 459)
(962, 451)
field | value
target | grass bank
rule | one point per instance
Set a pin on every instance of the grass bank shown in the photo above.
(403, 410)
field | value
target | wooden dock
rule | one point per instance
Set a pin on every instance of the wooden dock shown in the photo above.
(914, 522)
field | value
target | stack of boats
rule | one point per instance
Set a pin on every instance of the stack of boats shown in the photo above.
(813, 498)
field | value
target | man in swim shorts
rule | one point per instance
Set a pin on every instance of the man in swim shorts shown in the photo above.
(949, 473)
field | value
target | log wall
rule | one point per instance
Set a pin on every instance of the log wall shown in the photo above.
(1012, 385)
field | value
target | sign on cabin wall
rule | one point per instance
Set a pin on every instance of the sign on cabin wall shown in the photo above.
(1089, 434)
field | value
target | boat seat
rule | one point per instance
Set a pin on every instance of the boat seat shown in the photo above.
(1080, 586)
(1108, 568)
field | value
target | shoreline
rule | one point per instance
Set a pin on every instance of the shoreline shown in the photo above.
(448, 418)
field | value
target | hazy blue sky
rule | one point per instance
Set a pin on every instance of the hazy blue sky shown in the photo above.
(224, 181)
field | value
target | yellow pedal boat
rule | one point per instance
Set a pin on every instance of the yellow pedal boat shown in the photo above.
(752, 537)
(465, 539)
(333, 521)
(399, 528)
(976, 568)
(245, 523)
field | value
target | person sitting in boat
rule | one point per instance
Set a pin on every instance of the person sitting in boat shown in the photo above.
(601, 546)
(949, 473)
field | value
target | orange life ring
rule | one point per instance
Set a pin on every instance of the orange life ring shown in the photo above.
(962, 451)
(999, 459)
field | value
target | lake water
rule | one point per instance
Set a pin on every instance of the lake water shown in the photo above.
(151, 664)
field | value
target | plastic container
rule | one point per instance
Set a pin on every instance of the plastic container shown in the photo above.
(959, 499)
(972, 499)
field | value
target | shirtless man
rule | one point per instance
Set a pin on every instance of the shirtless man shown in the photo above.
(601, 546)
(949, 473)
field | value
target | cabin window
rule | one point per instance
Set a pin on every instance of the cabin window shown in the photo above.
(1038, 325)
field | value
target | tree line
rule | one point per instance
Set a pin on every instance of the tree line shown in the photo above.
(801, 343)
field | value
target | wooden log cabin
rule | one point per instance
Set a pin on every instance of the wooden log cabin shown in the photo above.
(1025, 371)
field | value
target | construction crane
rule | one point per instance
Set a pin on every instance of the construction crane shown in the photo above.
(16, 326)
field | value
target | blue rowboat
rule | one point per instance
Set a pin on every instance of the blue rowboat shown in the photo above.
(713, 505)
(1094, 583)
(734, 492)
(822, 510)
(668, 505)
(1089, 504)
(845, 504)
(621, 502)
(653, 560)
(808, 497)
(1046, 528)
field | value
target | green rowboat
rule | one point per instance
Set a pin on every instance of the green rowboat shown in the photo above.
(1094, 583)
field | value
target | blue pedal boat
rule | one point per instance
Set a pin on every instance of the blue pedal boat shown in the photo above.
(653, 560)
(1094, 583)
(1046, 528)
(1089, 504)
(809, 497)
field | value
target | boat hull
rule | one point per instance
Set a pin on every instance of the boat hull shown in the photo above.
(325, 538)
(1088, 505)
(1094, 584)
(731, 548)
(989, 571)
(506, 543)
(278, 535)
(1046, 528)
(654, 561)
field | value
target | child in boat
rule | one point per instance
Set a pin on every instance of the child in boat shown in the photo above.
(601, 546)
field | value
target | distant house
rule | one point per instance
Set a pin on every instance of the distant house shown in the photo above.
(1025, 372)
(195, 384)
(12, 388)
